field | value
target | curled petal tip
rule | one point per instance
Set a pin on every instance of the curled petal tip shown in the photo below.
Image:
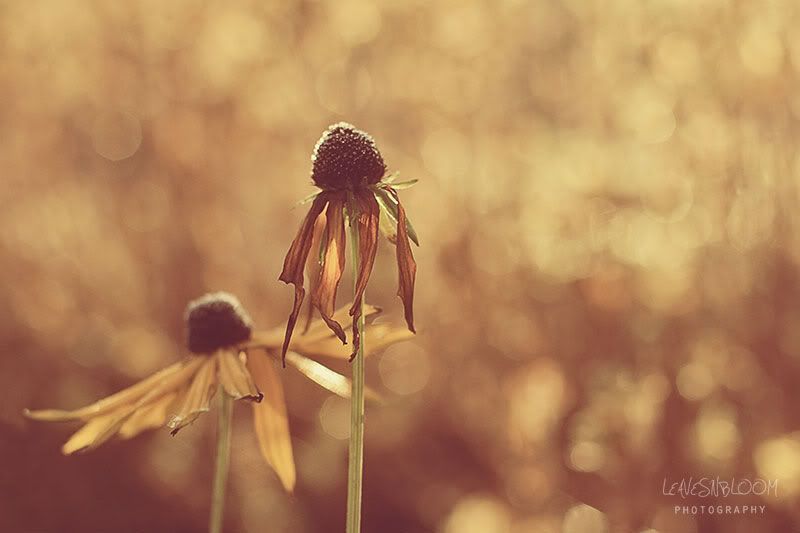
(255, 398)
(79, 451)
(338, 331)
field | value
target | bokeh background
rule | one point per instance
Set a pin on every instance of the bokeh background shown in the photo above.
(608, 290)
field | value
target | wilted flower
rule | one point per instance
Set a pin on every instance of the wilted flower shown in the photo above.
(221, 343)
(349, 169)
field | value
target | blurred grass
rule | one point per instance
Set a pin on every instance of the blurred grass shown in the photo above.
(608, 274)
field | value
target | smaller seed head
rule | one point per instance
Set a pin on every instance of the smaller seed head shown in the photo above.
(215, 321)
(346, 158)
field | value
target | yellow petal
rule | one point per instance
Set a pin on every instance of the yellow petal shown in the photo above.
(325, 377)
(124, 397)
(150, 416)
(377, 337)
(198, 397)
(94, 433)
(272, 338)
(235, 378)
(317, 331)
(381, 336)
(270, 421)
(102, 427)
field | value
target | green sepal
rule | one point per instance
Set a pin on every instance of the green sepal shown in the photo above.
(308, 199)
(388, 180)
(323, 248)
(400, 185)
(388, 205)
(388, 229)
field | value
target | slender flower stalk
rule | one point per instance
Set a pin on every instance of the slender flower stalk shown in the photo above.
(222, 463)
(355, 472)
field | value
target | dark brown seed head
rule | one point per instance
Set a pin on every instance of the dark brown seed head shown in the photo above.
(216, 321)
(346, 158)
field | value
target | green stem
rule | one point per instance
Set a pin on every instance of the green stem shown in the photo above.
(222, 462)
(355, 469)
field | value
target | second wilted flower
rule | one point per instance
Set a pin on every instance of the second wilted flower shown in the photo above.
(221, 342)
(349, 169)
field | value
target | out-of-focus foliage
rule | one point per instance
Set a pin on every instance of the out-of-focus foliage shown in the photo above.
(608, 287)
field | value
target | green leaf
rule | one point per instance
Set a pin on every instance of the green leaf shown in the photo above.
(388, 204)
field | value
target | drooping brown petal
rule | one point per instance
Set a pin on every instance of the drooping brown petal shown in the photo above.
(198, 397)
(294, 263)
(326, 378)
(150, 416)
(367, 220)
(324, 295)
(182, 371)
(314, 266)
(235, 378)
(270, 421)
(406, 267)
